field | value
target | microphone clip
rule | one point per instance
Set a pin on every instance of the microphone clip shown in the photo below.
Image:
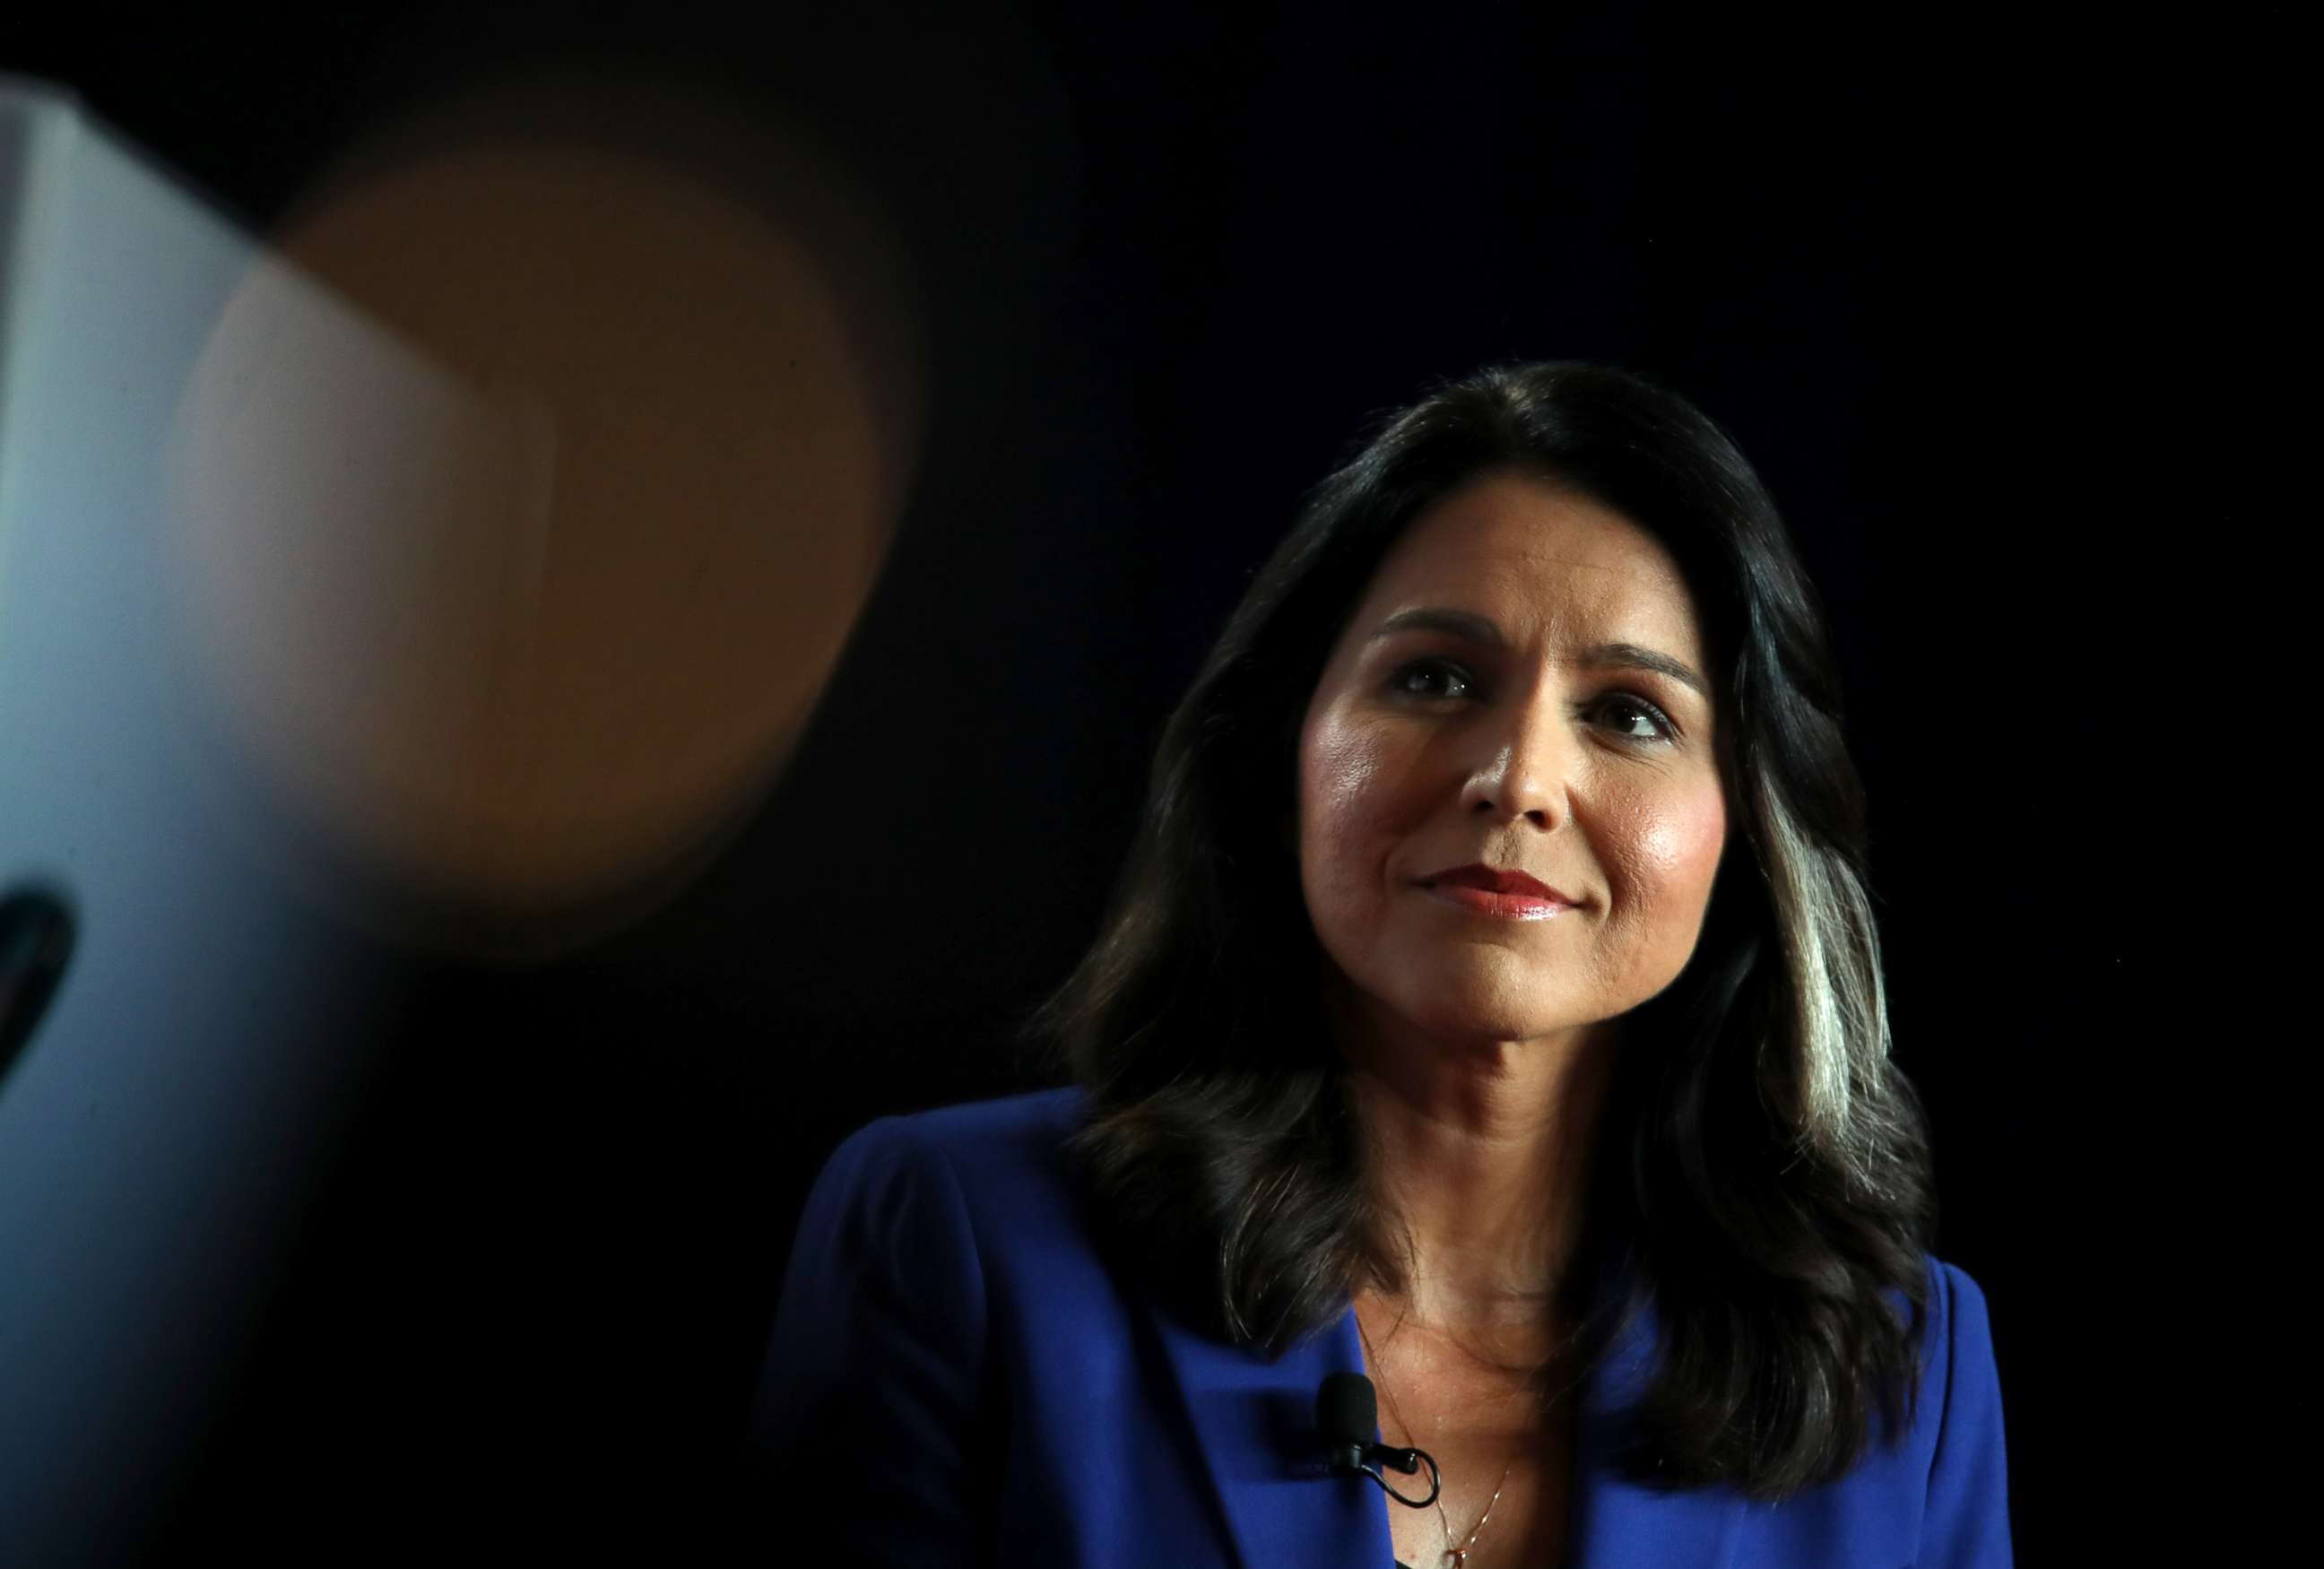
(1352, 1457)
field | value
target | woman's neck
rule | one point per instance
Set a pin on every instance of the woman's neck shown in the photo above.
(1480, 1153)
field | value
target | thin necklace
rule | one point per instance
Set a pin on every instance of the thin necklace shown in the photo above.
(1460, 1556)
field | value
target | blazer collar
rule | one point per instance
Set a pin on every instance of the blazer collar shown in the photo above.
(1254, 1422)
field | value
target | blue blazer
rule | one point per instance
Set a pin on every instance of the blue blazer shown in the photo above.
(954, 1377)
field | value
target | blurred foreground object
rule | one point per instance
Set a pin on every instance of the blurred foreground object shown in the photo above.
(173, 1083)
(461, 572)
(36, 940)
(525, 497)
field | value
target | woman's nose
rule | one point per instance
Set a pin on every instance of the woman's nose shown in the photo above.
(1521, 771)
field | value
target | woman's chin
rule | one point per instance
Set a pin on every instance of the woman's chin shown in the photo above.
(1486, 1029)
(1478, 1008)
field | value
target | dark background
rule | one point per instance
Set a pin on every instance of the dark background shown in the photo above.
(1974, 292)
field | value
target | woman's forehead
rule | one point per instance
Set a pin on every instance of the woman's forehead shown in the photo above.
(1534, 559)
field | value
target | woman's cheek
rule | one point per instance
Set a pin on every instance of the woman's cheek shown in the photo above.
(1666, 856)
(1682, 842)
(1338, 838)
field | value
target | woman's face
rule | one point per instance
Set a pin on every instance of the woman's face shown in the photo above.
(1463, 721)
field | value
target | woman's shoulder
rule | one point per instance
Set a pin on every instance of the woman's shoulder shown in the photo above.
(1028, 1128)
(974, 1205)
(998, 1120)
(1958, 1291)
(1954, 1429)
(1952, 1467)
(1957, 1326)
(1956, 1351)
(997, 1155)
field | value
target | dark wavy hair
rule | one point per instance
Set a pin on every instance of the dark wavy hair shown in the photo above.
(1761, 1170)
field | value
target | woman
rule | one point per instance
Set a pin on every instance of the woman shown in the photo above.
(1491, 1007)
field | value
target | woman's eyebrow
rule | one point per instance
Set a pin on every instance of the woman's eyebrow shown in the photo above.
(1477, 629)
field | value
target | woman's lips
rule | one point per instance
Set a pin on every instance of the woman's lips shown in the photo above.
(1506, 893)
(1507, 905)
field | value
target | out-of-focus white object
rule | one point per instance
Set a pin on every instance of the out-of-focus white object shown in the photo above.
(455, 564)
(154, 1133)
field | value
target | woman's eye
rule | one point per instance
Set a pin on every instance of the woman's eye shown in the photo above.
(1430, 679)
(1434, 680)
(1618, 703)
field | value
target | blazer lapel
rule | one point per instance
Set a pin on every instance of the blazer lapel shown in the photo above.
(1254, 1422)
(1616, 1523)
